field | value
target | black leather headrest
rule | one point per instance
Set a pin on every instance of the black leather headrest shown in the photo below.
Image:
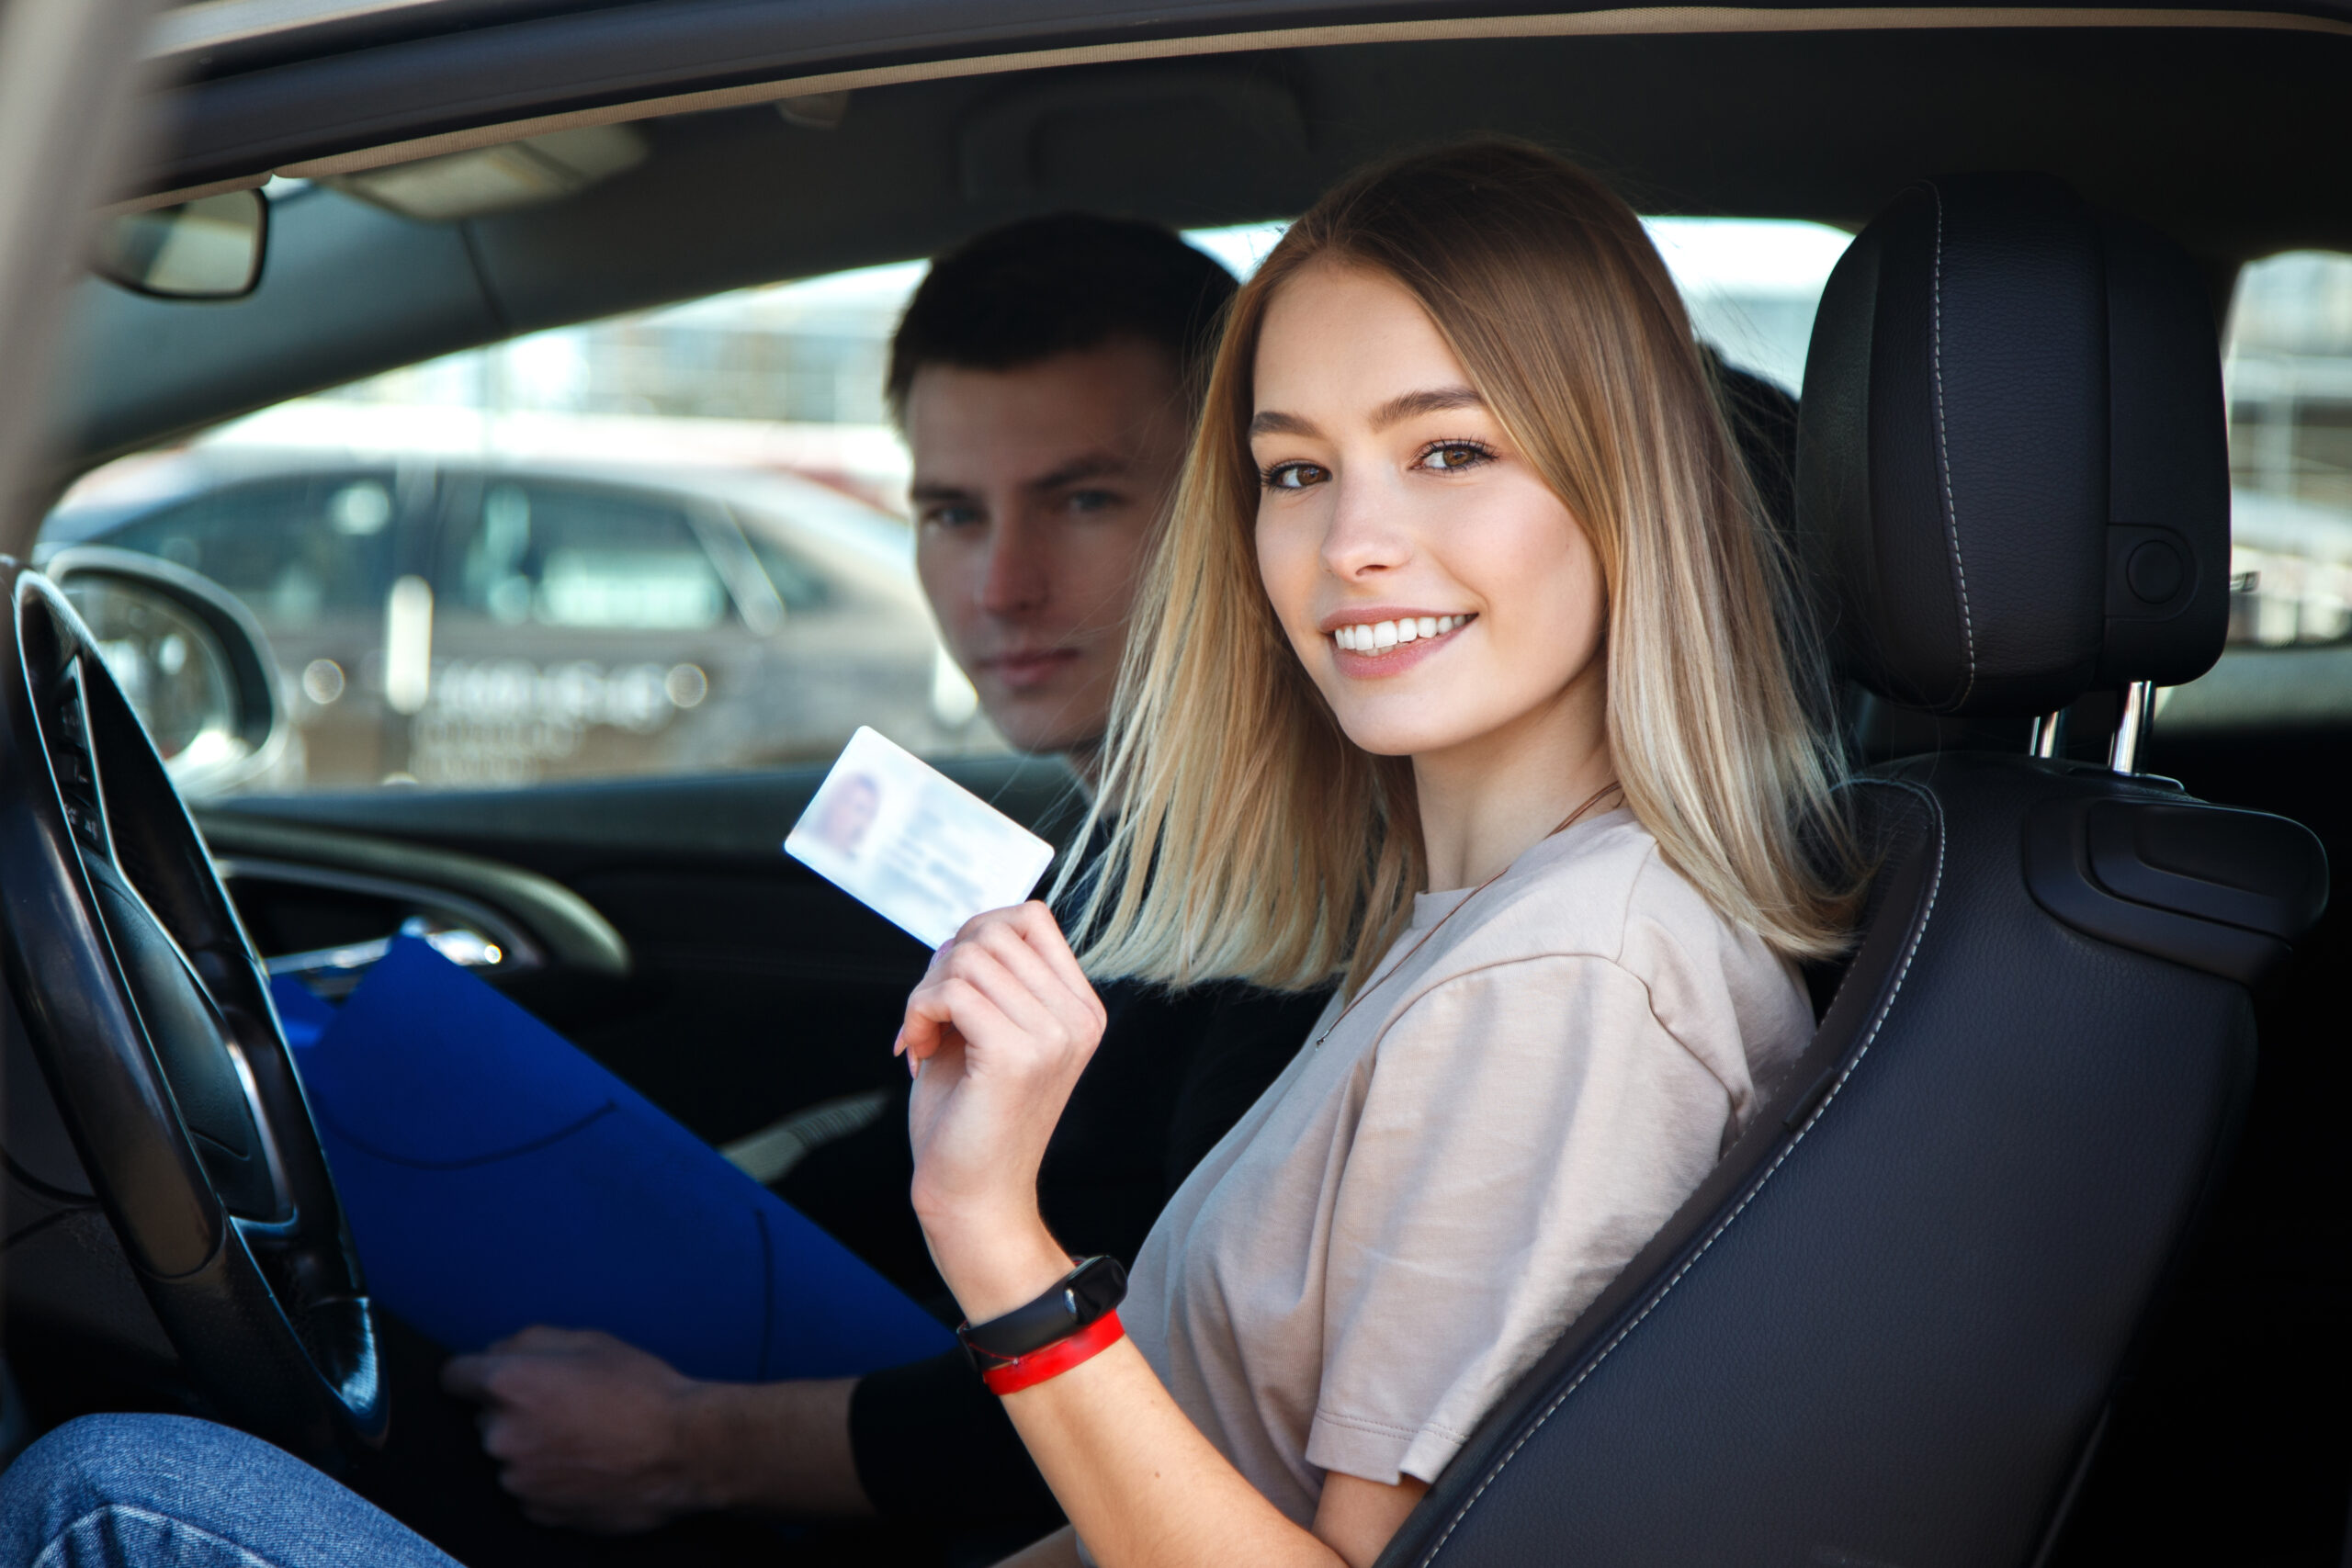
(2012, 466)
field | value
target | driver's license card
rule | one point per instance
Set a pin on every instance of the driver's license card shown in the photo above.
(911, 844)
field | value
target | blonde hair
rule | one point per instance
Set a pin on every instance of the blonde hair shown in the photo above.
(1248, 837)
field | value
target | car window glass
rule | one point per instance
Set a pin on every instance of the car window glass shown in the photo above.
(2288, 370)
(2287, 377)
(672, 541)
(799, 585)
(581, 557)
(1752, 283)
(294, 549)
(1751, 286)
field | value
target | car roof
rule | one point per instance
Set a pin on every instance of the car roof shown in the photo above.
(2221, 128)
(329, 85)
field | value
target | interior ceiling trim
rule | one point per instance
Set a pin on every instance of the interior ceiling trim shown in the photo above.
(1631, 20)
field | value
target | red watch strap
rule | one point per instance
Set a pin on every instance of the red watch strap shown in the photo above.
(1026, 1371)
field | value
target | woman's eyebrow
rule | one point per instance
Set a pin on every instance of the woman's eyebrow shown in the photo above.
(1273, 422)
(1435, 399)
(1403, 406)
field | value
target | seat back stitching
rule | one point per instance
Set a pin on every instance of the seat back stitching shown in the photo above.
(1935, 886)
(1943, 450)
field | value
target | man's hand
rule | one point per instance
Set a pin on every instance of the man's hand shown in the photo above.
(599, 1436)
(589, 1432)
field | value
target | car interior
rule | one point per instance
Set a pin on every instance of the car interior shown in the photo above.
(2041, 1258)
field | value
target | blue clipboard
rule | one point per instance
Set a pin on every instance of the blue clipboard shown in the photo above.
(495, 1177)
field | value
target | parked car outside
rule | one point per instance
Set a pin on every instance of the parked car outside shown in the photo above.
(468, 624)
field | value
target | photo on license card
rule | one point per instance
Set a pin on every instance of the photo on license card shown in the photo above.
(911, 844)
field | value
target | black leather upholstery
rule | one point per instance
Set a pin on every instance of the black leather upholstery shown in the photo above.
(1884, 1330)
(2169, 476)
(2013, 466)
(1887, 1327)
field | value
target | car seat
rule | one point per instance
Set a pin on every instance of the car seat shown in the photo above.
(1886, 1328)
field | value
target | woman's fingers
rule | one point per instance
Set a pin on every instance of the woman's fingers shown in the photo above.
(1034, 926)
(1008, 984)
(1001, 962)
(950, 1006)
(928, 1016)
(1044, 934)
(931, 970)
(993, 1010)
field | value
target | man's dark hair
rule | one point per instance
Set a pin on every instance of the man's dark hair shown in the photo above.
(1056, 285)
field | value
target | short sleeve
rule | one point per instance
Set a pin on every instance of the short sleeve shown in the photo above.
(1526, 1129)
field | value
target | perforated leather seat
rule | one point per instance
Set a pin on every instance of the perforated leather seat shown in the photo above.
(1885, 1329)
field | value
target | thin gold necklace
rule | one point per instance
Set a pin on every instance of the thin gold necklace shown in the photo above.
(1566, 823)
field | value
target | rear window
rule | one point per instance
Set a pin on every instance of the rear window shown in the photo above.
(2289, 373)
(568, 555)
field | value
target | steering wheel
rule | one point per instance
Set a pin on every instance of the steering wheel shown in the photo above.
(150, 1015)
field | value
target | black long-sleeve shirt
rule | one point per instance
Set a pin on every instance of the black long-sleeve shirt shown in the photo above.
(1173, 1074)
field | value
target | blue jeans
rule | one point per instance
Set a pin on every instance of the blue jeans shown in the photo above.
(169, 1491)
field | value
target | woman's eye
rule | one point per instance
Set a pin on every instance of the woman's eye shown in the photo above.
(1294, 475)
(1451, 457)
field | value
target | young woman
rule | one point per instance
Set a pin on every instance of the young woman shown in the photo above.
(1463, 593)
(1459, 675)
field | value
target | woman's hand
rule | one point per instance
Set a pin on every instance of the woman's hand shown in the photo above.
(997, 1035)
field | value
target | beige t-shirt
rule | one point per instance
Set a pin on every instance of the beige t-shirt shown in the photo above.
(1414, 1211)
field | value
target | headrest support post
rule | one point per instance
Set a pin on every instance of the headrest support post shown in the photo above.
(2050, 734)
(2131, 729)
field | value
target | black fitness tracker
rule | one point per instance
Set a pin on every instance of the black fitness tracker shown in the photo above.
(1077, 1300)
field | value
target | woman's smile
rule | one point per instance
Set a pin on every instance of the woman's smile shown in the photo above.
(1378, 642)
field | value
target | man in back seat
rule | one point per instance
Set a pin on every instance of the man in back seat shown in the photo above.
(1046, 376)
